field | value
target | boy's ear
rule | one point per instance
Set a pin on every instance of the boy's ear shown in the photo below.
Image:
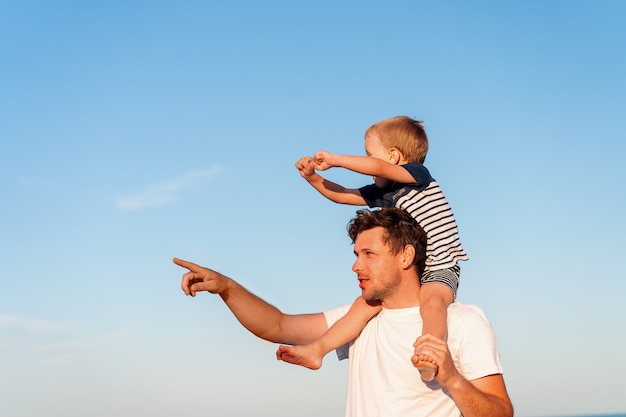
(394, 156)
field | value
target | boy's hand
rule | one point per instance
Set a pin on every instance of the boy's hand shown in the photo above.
(305, 166)
(322, 160)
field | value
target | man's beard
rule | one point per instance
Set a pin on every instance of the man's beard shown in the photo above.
(383, 292)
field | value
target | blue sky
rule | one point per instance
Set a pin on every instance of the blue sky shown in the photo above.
(133, 132)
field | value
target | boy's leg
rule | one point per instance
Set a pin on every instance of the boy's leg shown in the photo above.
(436, 294)
(340, 333)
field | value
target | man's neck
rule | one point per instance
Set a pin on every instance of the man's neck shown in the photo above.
(407, 296)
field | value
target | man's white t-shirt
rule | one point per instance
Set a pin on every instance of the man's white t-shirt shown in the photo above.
(382, 380)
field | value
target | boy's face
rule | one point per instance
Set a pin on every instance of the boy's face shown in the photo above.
(375, 149)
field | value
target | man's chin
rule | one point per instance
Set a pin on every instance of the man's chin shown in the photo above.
(368, 297)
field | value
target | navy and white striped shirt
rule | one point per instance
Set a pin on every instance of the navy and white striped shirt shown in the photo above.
(426, 203)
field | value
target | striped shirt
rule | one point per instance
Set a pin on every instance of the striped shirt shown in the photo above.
(426, 203)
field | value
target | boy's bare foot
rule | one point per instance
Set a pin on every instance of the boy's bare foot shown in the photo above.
(426, 366)
(303, 355)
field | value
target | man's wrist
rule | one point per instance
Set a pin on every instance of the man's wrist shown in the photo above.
(454, 383)
(226, 287)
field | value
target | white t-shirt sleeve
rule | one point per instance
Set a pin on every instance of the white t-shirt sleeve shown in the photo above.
(332, 316)
(473, 345)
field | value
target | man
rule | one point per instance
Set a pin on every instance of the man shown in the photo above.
(390, 250)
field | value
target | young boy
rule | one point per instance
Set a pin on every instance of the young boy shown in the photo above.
(396, 149)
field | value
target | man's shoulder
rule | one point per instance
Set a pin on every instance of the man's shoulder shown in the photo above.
(467, 323)
(460, 312)
(335, 314)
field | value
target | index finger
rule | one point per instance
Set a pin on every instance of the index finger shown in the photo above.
(186, 264)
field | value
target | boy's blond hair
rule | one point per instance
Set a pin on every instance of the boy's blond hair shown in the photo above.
(403, 133)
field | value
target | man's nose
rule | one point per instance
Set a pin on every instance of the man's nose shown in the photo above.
(356, 266)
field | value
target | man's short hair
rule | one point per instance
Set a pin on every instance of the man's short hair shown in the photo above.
(400, 230)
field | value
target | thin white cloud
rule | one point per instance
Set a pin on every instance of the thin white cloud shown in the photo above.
(166, 192)
(23, 332)
(36, 338)
(11, 324)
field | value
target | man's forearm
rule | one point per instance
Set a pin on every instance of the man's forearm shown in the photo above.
(483, 397)
(268, 322)
(255, 314)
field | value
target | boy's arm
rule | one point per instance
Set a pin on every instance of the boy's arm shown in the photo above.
(332, 191)
(364, 165)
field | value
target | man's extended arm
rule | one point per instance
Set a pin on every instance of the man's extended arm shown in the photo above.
(259, 317)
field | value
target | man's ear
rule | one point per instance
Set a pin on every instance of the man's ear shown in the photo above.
(395, 156)
(408, 255)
